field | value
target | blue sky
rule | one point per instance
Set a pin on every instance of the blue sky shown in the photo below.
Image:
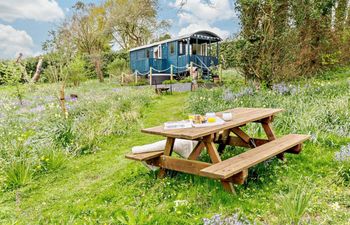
(24, 24)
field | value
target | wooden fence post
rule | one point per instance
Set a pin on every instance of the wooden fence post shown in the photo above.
(150, 76)
(220, 73)
(171, 71)
(135, 77)
(191, 69)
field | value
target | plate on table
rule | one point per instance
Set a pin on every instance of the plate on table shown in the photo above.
(218, 121)
(177, 125)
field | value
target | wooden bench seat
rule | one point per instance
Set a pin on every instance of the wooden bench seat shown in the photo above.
(239, 163)
(144, 156)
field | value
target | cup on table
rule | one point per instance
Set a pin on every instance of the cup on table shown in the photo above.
(227, 116)
(211, 117)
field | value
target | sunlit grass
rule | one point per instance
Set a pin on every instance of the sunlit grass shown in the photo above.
(103, 187)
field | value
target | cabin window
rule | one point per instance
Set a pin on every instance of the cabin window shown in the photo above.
(182, 48)
(204, 49)
(157, 52)
(147, 54)
(196, 49)
(172, 48)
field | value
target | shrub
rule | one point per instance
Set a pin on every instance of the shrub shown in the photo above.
(18, 174)
(76, 71)
(51, 160)
(294, 204)
(62, 133)
(117, 67)
(170, 82)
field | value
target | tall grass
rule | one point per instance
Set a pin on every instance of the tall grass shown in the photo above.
(18, 174)
(37, 133)
(294, 204)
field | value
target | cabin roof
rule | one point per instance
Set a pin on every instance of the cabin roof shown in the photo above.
(200, 34)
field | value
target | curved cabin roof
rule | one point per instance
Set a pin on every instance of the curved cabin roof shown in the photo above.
(203, 34)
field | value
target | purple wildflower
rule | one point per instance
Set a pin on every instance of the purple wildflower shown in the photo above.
(231, 220)
(343, 154)
(284, 89)
(117, 90)
(228, 95)
(37, 109)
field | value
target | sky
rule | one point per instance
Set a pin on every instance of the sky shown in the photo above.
(24, 25)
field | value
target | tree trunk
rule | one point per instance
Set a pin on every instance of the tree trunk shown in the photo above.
(63, 101)
(36, 76)
(97, 62)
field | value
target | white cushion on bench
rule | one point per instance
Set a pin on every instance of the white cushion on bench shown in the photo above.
(181, 147)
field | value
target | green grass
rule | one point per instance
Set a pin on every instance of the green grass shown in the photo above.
(105, 188)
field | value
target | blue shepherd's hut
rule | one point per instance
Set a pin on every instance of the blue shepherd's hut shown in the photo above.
(176, 54)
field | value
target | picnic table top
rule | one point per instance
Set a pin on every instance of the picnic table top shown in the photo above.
(241, 116)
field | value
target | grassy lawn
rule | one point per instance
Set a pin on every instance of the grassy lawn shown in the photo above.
(105, 188)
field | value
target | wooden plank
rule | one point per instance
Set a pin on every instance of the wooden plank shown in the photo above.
(144, 156)
(167, 151)
(268, 130)
(254, 156)
(238, 178)
(270, 134)
(295, 150)
(241, 134)
(196, 151)
(169, 146)
(181, 165)
(241, 116)
(213, 153)
(192, 167)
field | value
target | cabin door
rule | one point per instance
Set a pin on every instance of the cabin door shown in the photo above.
(157, 52)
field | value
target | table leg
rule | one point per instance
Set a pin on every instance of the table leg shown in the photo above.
(215, 158)
(196, 151)
(167, 151)
(266, 124)
(224, 138)
(243, 136)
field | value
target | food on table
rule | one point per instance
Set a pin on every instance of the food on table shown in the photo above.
(211, 119)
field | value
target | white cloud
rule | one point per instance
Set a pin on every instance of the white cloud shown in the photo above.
(205, 11)
(13, 42)
(39, 10)
(198, 27)
(202, 15)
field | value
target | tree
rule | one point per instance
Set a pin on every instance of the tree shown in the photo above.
(88, 30)
(36, 76)
(12, 76)
(133, 22)
(289, 38)
(60, 53)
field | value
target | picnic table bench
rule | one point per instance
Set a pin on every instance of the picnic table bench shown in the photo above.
(230, 171)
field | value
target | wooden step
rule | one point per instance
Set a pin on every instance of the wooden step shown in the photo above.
(234, 165)
(144, 156)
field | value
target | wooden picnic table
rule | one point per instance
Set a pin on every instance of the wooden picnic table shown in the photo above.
(230, 171)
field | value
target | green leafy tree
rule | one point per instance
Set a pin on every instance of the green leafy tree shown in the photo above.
(12, 75)
(117, 67)
(76, 71)
(133, 23)
(88, 28)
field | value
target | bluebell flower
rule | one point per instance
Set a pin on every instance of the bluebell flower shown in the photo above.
(343, 154)
(284, 89)
(217, 219)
